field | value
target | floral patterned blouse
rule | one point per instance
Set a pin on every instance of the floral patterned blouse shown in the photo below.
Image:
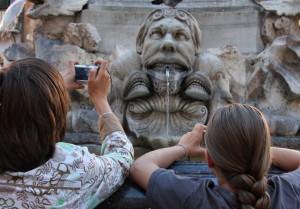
(73, 177)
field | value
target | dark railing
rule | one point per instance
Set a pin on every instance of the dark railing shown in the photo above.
(131, 196)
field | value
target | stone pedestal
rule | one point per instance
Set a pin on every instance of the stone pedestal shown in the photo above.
(222, 22)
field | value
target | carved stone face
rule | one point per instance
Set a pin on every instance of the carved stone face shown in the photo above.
(168, 41)
(172, 91)
(168, 46)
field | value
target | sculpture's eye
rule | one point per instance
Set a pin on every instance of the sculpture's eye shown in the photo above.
(218, 76)
(181, 36)
(157, 34)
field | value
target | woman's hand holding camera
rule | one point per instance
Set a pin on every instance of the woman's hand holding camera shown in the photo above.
(69, 77)
(98, 87)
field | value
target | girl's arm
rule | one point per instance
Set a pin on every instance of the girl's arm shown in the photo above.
(286, 159)
(188, 146)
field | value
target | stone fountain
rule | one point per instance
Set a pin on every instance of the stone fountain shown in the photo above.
(165, 76)
(171, 68)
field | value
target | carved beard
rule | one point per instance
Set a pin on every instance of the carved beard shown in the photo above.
(162, 108)
(150, 119)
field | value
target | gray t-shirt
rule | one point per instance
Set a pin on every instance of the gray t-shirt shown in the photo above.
(170, 191)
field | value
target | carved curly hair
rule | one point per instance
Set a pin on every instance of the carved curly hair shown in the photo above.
(238, 141)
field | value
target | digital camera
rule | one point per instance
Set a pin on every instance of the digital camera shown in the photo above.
(82, 72)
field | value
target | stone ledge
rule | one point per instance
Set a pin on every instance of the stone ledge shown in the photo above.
(215, 5)
(292, 142)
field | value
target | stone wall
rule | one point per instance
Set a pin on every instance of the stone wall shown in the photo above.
(221, 22)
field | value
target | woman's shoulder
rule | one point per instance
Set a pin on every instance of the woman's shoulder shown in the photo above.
(284, 189)
(66, 152)
(69, 148)
(287, 181)
(171, 178)
(290, 177)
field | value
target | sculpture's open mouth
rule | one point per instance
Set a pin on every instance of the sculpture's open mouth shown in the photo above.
(161, 68)
(167, 78)
(173, 77)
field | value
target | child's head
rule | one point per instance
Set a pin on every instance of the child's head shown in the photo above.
(33, 109)
(238, 142)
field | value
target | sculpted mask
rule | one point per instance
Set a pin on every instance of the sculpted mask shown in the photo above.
(171, 88)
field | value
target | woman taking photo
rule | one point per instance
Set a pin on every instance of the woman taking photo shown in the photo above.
(37, 169)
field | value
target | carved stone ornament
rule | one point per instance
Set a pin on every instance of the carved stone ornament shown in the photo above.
(172, 85)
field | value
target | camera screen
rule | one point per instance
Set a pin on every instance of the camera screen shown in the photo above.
(82, 72)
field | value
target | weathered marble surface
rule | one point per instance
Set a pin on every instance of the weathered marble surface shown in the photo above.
(274, 26)
(281, 7)
(222, 22)
(11, 20)
(197, 82)
(19, 51)
(51, 8)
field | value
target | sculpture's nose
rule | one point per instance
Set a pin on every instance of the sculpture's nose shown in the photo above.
(168, 44)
